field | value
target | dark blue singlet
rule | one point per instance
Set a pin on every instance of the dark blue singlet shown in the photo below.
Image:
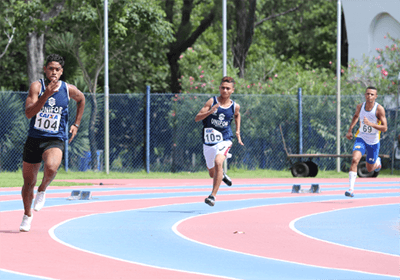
(220, 121)
(52, 119)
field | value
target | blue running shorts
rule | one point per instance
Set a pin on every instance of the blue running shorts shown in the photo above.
(372, 150)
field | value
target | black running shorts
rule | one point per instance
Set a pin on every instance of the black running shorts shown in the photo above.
(35, 147)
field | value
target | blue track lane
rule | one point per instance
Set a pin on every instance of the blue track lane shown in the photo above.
(374, 228)
(146, 236)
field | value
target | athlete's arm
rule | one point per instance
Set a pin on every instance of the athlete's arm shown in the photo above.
(237, 122)
(78, 96)
(206, 110)
(33, 103)
(349, 134)
(380, 114)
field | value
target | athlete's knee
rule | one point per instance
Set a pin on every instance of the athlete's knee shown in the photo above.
(219, 160)
(355, 161)
(51, 169)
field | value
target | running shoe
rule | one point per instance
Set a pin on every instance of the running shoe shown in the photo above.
(349, 194)
(26, 223)
(210, 200)
(379, 162)
(39, 201)
(227, 180)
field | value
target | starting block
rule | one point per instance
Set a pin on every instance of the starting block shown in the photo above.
(80, 195)
(314, 189)
(296, 188)
(75, 195)
(86, 195)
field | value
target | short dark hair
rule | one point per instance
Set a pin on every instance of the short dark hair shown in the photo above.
(55, 57)
(371, 87)
(227, 79)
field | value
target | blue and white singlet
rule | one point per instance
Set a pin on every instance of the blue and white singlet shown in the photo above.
(52, 119)
(370, 135)
(217, 126)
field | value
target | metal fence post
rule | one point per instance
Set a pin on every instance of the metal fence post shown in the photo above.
(395, 122)
(66, 150)
(148, 129)
(299, 96)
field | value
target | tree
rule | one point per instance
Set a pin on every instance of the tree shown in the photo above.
(35, 16)
(246, 22)
(9, 34)
(130, 23)
(185, 33)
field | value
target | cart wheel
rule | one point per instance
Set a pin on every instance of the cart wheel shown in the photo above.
(375, 174)
(362, 170)
(300, 169)
(313, 167)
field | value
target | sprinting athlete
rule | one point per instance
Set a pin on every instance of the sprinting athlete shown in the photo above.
(217, 115)
(47, 107)
(372, 123)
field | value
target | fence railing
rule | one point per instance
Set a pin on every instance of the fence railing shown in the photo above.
(174, 140)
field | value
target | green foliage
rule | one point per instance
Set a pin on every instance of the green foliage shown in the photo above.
(388, 62)
(307, 35)
(266, 76)
(13, 130)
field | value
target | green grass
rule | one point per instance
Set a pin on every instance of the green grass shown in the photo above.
(14, 179)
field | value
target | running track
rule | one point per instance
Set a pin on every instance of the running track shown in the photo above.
(162, 229)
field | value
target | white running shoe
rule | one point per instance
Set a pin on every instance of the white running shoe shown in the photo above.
(379, 164)
(39, 201)
(26, 223)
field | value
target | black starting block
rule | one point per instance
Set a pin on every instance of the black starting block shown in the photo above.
(86, 195)
(80, 195)
(314, 189)
(296, 188)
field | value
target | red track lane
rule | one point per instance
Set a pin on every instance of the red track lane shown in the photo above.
(267, 233)
(208, 181)
(221, 194)
(37, 253)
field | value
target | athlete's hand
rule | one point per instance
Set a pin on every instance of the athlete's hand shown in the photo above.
(73, 130)
(349, 135)
(52, 87)
(214, 108)
(367, 122)
(239, 138)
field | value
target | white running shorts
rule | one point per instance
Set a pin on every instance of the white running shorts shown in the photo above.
(210, 152)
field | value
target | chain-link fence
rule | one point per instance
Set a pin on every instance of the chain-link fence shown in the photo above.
(175, 139)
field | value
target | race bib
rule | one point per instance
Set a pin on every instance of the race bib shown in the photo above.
(368, 129)
(212, 136)
(49, 122)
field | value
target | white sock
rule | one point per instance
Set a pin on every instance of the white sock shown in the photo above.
(352, 180)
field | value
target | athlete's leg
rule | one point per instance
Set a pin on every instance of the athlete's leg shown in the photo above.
(358, 151)
(373, 159)
(52, 159)
(29, 173)
(353, 169)
(218, 173)
(211, 172)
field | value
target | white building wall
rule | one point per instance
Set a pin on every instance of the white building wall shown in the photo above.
(367, 22)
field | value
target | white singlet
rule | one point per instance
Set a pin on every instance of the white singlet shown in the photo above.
(370, 135)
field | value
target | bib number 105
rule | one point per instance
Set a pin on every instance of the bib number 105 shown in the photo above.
(212, 136)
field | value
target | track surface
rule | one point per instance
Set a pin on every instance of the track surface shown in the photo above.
(162, 229)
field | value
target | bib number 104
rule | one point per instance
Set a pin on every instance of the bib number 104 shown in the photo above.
(48, 122)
